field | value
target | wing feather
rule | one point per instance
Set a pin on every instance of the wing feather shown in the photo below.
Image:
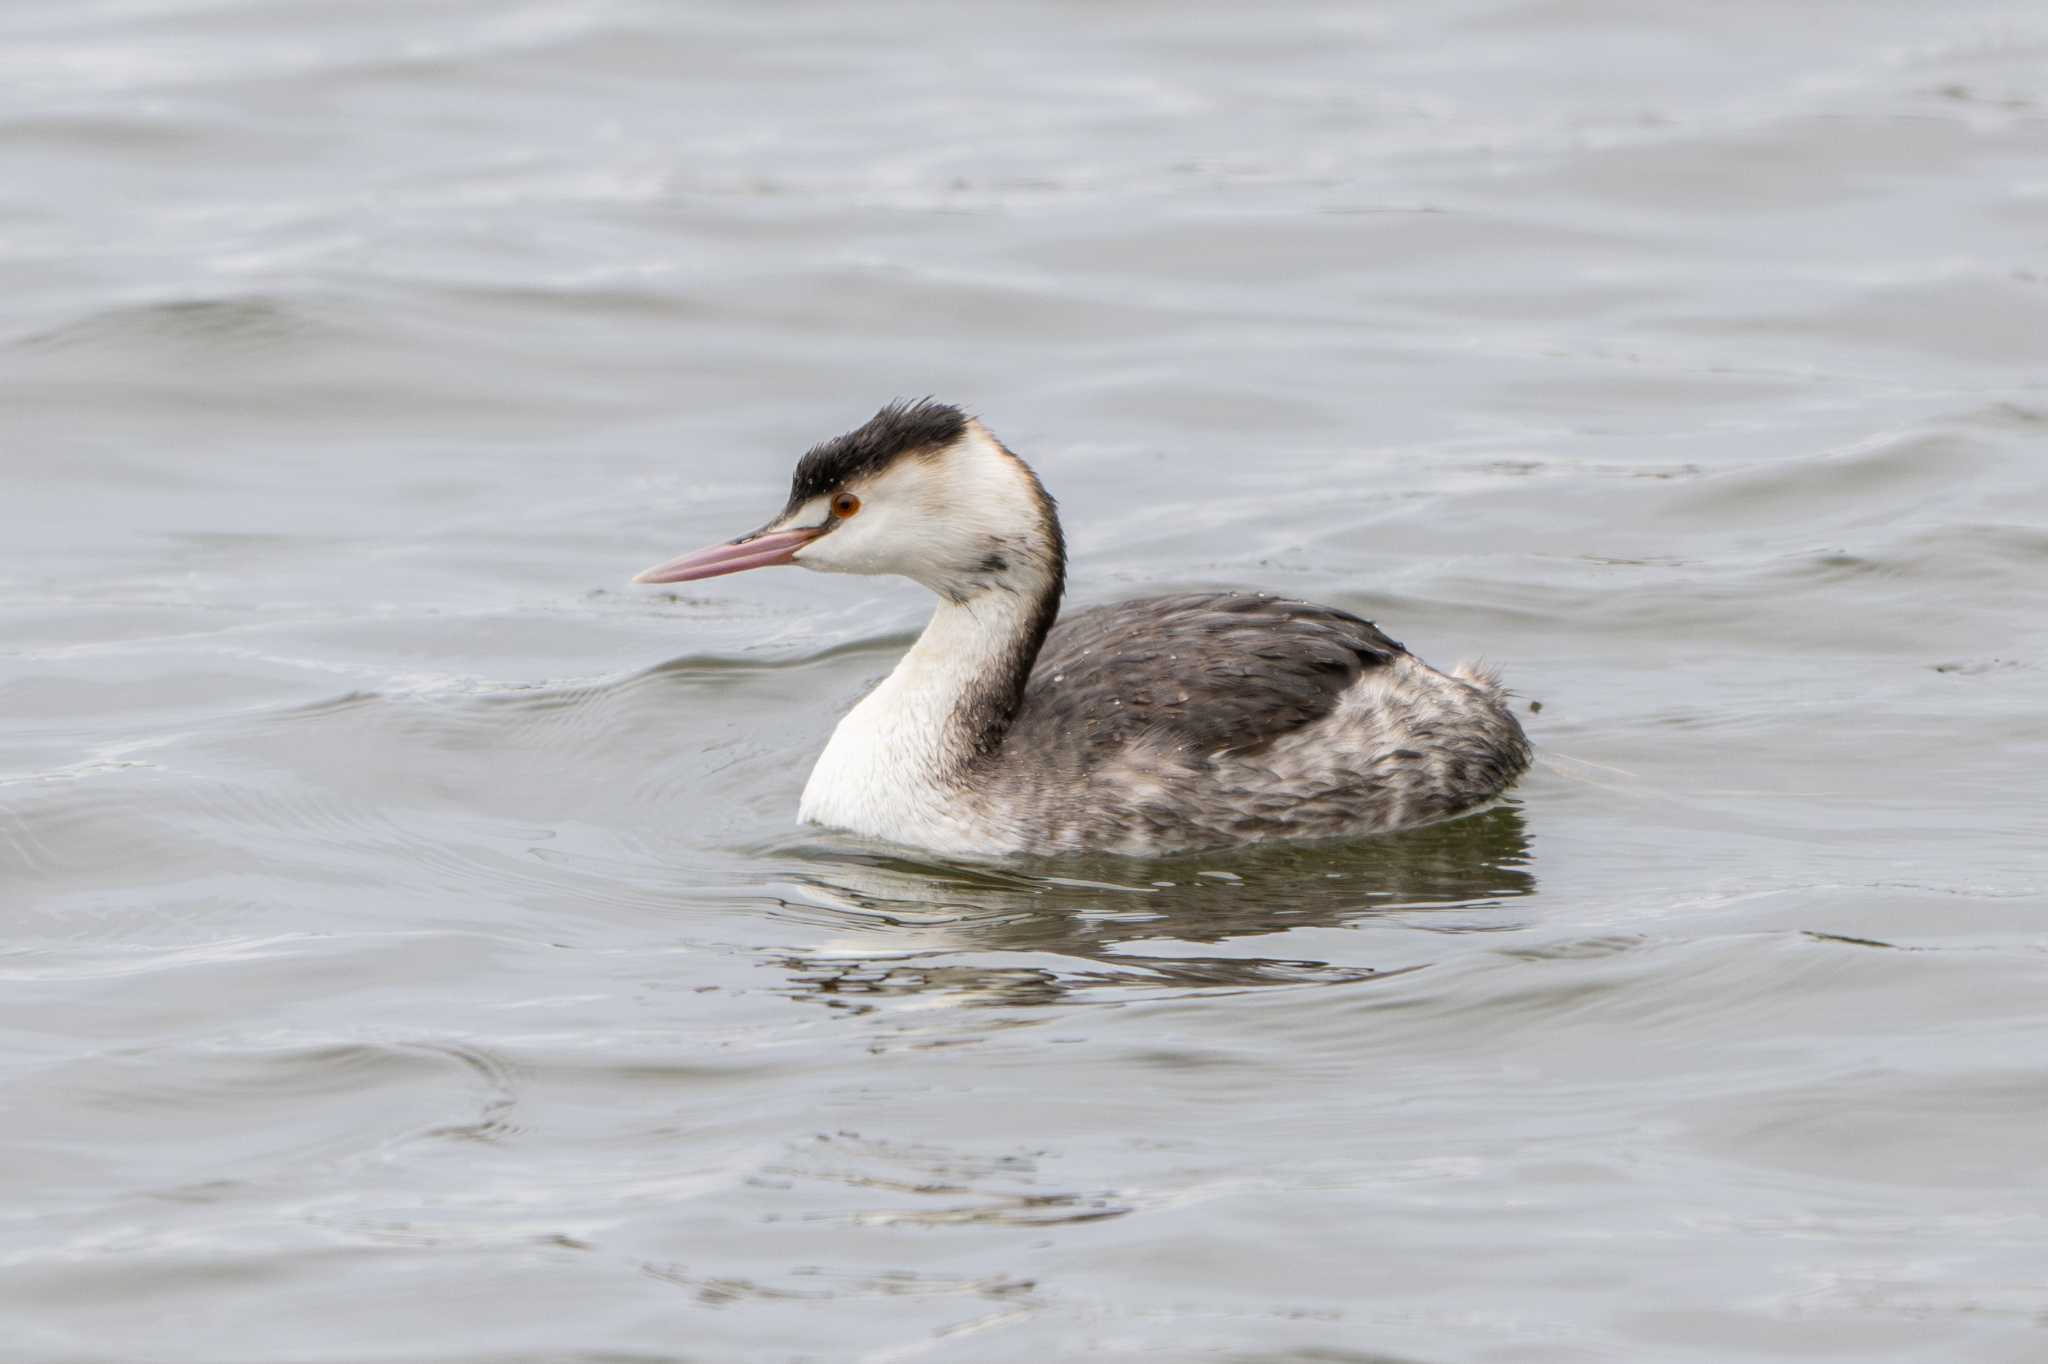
(1210, 672)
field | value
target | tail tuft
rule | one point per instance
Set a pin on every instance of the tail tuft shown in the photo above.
(1483, 676)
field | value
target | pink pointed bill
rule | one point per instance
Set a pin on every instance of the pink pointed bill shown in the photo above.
(756, 551)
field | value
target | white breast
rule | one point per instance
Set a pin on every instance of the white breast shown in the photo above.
(878, 775)
(891, 768)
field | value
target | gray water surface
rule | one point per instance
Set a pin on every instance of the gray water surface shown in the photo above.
(408, 950)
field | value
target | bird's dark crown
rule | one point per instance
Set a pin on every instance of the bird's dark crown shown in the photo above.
(901, 428)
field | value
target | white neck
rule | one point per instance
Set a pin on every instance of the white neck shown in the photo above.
(896, 765)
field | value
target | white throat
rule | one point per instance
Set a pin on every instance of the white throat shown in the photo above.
(897, 764)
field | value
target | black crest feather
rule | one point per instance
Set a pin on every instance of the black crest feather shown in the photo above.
(901, 428)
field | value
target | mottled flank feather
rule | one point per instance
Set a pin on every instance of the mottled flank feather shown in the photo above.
(1206, 720)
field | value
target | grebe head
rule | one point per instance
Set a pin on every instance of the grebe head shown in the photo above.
(923, 491)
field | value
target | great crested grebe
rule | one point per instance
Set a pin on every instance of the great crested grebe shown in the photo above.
(1157, 725)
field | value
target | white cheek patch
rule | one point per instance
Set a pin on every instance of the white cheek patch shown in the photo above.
(927, 518)
(873, 539)
(815, 512)
(855, 544)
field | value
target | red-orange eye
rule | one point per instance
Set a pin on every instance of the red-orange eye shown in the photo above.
(844, 505)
